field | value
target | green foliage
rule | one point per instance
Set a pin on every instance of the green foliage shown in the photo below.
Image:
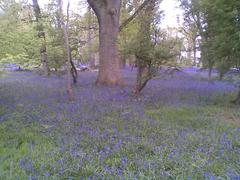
(55, 49)
(18, 42)
(83, 31)
(55, 56)
(217, 23)
(167, 50)
(147, 41)
(19, 37)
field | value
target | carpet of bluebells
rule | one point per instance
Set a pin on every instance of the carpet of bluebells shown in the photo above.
(180, 127)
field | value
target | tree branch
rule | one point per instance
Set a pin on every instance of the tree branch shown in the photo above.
(95, 6)
(135, 14)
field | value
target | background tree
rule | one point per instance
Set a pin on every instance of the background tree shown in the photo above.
(144, 39)
(190, 30)
(89, 39)
(143, 49)
(218, 27)
(196, 25)
(223, 24)
(65, 27)
(42, 37)
(54, 32)
(18, 44)
(153, 47)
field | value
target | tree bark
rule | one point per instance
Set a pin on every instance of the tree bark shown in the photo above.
(60, 26)
(108, 12)
(143, 76)
(90, 56)
(194, 51)
(41, 35)
(210, 73)
(138, 85)
(237, 100)
(73, 68)
(67, 51)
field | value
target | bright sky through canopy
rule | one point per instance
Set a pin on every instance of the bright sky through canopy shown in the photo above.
(170, 7)
(172, 12)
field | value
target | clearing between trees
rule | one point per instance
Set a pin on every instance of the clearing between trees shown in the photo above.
(180, 126)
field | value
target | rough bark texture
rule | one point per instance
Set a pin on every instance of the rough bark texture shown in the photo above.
(41, 35)
(143, 76)
(108, 12)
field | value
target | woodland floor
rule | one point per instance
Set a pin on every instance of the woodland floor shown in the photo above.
(180, 127)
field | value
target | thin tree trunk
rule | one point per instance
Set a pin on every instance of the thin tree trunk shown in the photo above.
(90, 56)
(138, 85)
(237, 100)
(41, 35)
(60, 25)
(194, 52)
(143, 67)
(58, 15)
(143, 76)
(67, 50)
(73, 69)
(44, 58)
(189, 53)
(210, 73)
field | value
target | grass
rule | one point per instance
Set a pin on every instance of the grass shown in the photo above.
(176, 143)
(130, 141)
(19, 141)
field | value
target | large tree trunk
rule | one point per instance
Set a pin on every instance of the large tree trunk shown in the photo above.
(108, 12)
(41, 35)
